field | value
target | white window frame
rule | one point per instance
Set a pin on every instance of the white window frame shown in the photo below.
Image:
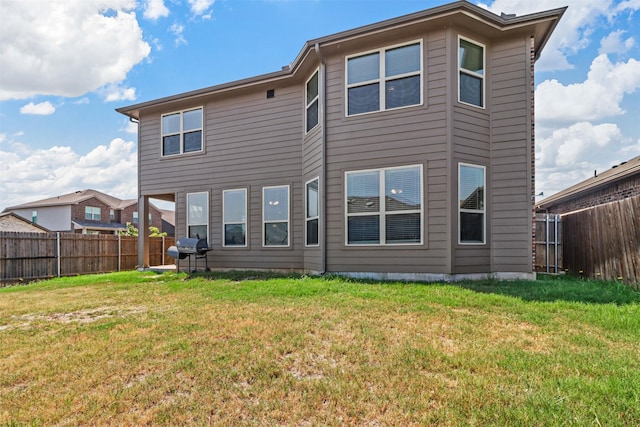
(482, 211)
(206, 214)
(225, 222)
(308, 218)
(92, 211)
(181, 132)
(382, 79)
(310, 103)
(382, 213)
(473, 73)
(287, 221)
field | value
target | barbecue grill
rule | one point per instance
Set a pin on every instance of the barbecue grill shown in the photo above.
(187, 247)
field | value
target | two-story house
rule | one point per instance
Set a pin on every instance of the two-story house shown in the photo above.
(85, 211)
(402, 149)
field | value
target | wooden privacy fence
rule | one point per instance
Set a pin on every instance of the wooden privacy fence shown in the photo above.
(29, 256)
(604, 241)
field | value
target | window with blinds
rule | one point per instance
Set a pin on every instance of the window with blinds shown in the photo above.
(384, 206)
(471, 204)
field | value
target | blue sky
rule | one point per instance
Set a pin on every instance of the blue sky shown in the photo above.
(65, 65)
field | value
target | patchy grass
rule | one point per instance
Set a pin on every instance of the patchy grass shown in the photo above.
(136, 349)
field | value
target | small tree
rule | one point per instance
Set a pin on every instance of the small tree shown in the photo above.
(133, 231)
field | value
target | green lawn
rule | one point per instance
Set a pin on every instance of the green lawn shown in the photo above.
(145, 349)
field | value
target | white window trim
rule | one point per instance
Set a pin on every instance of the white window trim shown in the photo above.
(383, 213)
(246, 220)
(484, 204)
(287, 221)
(307, 218)
(207, 215)
(472, 73)
(308, 104)
(181, 133)
(94, 211)
(382, 78)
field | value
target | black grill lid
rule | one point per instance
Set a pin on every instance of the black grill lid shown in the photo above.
(192, 245)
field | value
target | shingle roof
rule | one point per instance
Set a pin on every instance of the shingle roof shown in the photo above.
(69, 199)
(616, 173)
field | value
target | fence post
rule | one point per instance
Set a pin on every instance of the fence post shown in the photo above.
(546, 217)
(556, 220)
(119, 252)
(58, 251)
(162, 250)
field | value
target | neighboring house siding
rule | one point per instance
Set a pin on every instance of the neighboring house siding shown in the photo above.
(408, 136)
(78, 211)
(126, 215)
(54, 218)
(16, 224)
(510, 184)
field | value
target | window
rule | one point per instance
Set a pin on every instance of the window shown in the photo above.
(34, 217)
(135, 217)
(384, 206)
(198, 215)
(92, 213)
(112, 214)
(312, 212)
(182, 132)
(234, 217)
(275, 215)
(312, 101)
(471, 72)
(471, 203)
(385, 79)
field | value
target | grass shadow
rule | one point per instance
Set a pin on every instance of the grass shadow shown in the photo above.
(560, 288)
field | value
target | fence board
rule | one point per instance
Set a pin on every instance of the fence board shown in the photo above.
(604, 241)
(30, 256)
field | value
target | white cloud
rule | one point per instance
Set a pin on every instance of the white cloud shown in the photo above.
(201, 7)
(613, 43)
(596, 98)
(155, 9)
(42, 173)
(575, 29)
(41, 109)
(116, 92)
(572, 154)
(177, 30)
(67, 48)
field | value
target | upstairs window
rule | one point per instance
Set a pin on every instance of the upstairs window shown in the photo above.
(384, 206)
(182, 132)
(471, 204)
(471, 73)
(384, 79)
(92, 213)
(312, 101)
(34, 217)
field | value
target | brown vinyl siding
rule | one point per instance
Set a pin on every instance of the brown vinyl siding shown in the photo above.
(511, 156)
(407, 136)
(250, 142)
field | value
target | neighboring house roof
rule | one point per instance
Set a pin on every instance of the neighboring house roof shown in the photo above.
(9, 221)
(616, 173)
(75, 198)
(169, 216)
(540, 25)
(110, 226)
(69, 199)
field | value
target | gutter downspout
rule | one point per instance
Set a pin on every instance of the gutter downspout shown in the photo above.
(323, 168)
